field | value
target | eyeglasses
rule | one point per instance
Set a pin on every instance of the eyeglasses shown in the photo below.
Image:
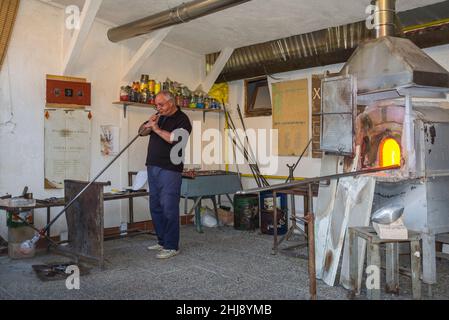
(161, 104)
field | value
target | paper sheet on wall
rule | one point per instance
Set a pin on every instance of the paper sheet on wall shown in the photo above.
(291, 116)
(110, 140)
(67, 147)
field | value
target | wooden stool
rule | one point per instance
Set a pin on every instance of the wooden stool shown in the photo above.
(392, 260)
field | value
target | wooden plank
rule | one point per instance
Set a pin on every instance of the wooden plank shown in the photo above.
(359, 216)
(220, 63)
(8, 14)
(64, 106)
(79, 37)
(316, 118)
(325, 206)
(443, 237)
(144, 52)
(65, 78)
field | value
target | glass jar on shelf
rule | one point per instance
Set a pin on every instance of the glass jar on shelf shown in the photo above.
(125, 93)
(193, 101)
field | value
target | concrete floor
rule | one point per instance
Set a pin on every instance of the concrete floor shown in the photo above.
(221, 264)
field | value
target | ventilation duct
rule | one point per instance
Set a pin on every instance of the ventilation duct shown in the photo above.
(180, 14)
(384, 18)
(392, 64)
(332, 45)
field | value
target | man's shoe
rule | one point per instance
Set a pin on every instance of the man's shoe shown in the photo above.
(165, 254)
(157, 247)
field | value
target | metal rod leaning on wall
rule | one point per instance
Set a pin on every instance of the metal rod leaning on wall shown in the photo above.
(234, 129)
(242, 149)
(265, 182)
(234, 155)
(251, 160)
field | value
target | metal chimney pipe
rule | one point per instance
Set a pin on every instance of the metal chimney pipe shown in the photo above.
(180, 14)
(384, 18)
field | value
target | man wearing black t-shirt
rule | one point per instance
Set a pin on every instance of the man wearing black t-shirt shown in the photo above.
(169, 131)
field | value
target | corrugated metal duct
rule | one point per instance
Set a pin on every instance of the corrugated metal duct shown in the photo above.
(329, 46)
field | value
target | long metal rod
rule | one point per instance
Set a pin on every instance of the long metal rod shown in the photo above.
(180, 14)
(317, 179)
(88, 185)
(291, 173)
(261, 177)
(234, 155)
(242, 148)
(35, 229)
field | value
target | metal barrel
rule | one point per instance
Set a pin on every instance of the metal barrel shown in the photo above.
(246, 211)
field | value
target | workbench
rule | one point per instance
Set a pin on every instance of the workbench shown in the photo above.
(60, 202)
(208, 185)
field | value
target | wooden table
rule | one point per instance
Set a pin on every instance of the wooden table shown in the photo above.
(392, 260)
(301, 190)
(60, 202)
(308, 191)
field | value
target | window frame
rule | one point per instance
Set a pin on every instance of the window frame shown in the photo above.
(249, 105)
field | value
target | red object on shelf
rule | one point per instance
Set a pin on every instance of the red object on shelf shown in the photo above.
(68, 92)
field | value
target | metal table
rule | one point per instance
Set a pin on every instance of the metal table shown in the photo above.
(208, 185)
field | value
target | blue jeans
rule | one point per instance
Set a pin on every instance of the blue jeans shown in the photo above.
(165, 189)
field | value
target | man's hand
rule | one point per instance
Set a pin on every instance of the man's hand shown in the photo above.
(152, 123)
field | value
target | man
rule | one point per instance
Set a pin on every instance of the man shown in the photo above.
(169, 130)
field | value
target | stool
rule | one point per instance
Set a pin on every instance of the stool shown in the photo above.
(392, 260)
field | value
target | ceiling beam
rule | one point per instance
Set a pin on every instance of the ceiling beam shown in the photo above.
(213, 75)
(79, 37)
(144, 52)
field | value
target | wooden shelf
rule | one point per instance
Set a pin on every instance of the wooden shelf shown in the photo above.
(125, 104)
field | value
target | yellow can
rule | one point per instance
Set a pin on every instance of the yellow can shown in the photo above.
(157, 87)
(152, 86)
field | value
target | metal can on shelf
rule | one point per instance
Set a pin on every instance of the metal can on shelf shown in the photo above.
(152, 86)
(157, 87)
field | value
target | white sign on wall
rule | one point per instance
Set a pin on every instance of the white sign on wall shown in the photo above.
(67, 147)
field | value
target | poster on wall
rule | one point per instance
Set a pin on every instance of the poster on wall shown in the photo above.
(291, 116)
(109, 138)
(67, 147)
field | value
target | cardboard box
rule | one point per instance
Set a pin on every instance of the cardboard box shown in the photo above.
(394, 231)
(226, 217)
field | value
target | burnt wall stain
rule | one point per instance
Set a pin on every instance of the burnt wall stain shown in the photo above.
(389, 196)
(433, 134)
(328, 261)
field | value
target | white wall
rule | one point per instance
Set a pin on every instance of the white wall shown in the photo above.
(36, 49)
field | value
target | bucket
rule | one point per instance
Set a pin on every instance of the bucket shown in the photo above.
(266, 222)
(246, 212)
(267, 214)
(16, 236)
